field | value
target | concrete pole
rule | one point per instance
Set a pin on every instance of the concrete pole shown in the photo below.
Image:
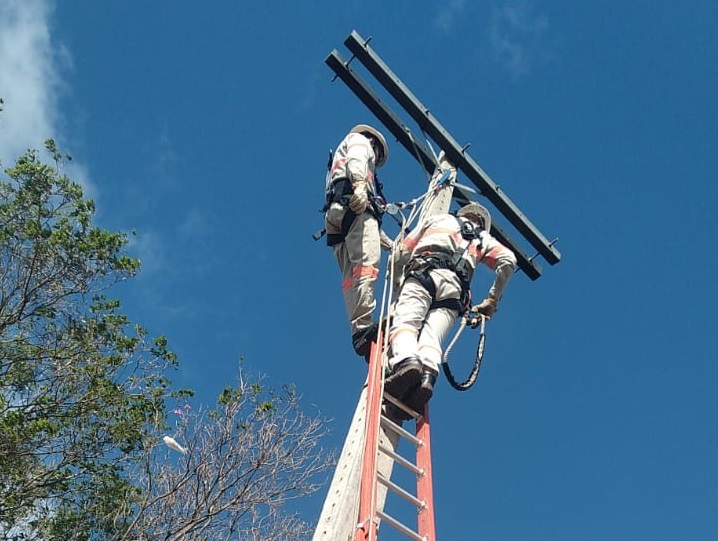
(339, 516)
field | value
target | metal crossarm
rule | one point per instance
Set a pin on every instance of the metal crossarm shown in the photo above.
(417, 149)
(454, 152)
(381, 110)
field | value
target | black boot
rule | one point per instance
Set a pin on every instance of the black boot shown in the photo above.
(405, 375)
(417, 400)
(362, 339)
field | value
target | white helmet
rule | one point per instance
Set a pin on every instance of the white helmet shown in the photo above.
(478, 213)
(368, 130)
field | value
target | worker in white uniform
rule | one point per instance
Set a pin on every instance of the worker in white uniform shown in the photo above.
(442, 254)
(353, 225)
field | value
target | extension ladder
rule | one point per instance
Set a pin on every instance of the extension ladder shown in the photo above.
(371, 513)
(354, 507)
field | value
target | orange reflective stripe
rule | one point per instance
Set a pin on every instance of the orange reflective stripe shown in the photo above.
(358, 143)
(338, 164)
(410, 243)
(491, 255)
(441, 231)
(360, 272)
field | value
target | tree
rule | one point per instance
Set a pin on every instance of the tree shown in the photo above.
(243, 460)
(84, 393)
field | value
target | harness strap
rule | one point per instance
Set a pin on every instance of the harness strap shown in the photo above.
(421, 274)
(421, 266)
(451, 304)
(340, 191)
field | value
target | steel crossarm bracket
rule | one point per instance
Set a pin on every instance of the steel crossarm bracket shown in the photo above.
(417, 149)
(454, 152)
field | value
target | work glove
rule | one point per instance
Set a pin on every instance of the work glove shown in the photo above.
(486, 307)
(359, 201)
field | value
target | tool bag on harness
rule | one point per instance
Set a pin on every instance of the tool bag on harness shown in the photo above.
(420, 268)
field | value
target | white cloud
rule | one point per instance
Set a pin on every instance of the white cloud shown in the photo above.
(29, 82)
(516, 35)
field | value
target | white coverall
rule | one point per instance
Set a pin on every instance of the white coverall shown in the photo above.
(418, 330)
(359, 255)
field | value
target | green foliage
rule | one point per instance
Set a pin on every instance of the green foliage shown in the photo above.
(82, 389)
(83, 398)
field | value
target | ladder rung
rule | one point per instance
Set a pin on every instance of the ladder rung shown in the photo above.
(396, 489)
(391, 425)
(399, 526)
(403, 407)
(401, 460)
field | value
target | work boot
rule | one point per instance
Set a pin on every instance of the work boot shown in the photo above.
(417, 399)
(362, 339)
(404, 376)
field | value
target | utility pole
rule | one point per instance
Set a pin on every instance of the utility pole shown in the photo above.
(343, 516)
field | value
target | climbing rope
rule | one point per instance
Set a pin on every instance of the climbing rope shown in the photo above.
(395, 210)
(474, 320)
(415, 208)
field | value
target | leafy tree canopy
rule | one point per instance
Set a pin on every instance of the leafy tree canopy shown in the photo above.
(84, 393)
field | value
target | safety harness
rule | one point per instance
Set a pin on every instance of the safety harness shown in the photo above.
(420, 268)
(340, 191)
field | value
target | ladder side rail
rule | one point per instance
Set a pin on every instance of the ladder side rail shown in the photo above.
(366, 529)
(424, 483)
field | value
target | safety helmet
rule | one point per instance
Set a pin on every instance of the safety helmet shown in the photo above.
(364, 129)
(478, 213)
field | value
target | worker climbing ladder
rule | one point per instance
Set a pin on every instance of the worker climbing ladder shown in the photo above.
(371, 515)
(354, 508)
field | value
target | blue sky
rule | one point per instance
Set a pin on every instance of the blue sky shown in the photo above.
(206, 127)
